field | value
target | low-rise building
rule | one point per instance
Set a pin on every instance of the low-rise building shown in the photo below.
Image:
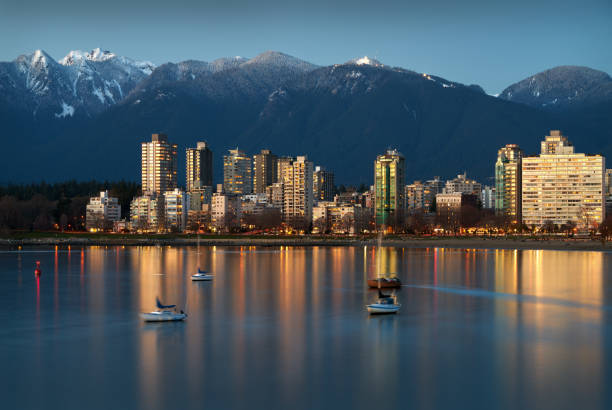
(253, 205)
(431, 188)
(176, 205)
(101, 212)
(456, 209)
(199, 196)
(199, 220)
(487, 197)
(462, 184)
(226, 211)
(121, 225)
(349, 197)
(415, 195)
(368, 199)
(340, 218)
(144, 213)
(274, 194)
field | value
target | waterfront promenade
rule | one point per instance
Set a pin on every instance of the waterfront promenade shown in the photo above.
(558, 243)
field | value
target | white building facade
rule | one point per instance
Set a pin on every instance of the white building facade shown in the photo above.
(176, 206)
(560, 186)
(102, 211)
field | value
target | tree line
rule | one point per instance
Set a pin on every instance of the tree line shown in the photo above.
(61, 205)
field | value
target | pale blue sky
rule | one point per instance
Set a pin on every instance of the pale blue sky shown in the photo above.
(491, 43)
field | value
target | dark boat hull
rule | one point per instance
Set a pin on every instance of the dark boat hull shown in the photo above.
(384, 283)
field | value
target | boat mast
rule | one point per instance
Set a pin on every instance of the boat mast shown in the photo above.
(198, 252)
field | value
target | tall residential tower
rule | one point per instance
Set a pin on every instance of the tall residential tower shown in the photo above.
(265, 170)
(199, 167)
(297, 192)
(389, 186)
(323, 187)
(158, 165)
(508, 186)
(237, 178)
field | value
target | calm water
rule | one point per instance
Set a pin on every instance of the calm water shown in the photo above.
(287, 328)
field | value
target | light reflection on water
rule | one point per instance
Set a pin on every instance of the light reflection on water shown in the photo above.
(286, 328)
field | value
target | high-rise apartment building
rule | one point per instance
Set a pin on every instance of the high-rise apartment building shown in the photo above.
(281, 163)
(265, 170)
(199, 167)
(508, 194)
(237, 178)
(608, 190)
(323, 184)
(389, 185)
(561, 186)
(297, 191)
(158, 165)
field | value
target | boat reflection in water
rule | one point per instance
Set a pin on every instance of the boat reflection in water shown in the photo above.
(285, 328)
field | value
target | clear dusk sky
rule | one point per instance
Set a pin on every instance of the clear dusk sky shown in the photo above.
(491, 43)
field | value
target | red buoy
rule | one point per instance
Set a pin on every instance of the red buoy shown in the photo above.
(37, 271)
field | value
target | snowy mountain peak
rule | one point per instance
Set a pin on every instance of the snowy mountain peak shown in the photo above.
(82, 83)
(77, 56)
(41, 59)
(278, 59)
(39, 54)
(365, 60)
(98, 55)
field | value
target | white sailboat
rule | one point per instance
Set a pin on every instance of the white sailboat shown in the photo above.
(163, 314)
(385, 304)
(201, 275)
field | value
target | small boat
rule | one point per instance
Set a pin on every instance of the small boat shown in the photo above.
(386, 304)
(385, 283)
(201, 275)
(163, 314)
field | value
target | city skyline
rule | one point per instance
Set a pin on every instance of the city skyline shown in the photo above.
(289, 204)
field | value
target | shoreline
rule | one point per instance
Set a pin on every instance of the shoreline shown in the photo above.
(435, 242)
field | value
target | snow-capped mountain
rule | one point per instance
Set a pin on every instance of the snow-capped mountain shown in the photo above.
(340, 115)
(365, 60)
(222, 78)
(79, 84)
(561, 87)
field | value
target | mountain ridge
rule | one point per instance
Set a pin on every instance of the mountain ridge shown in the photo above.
(561, 87)
(341, 115)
